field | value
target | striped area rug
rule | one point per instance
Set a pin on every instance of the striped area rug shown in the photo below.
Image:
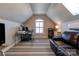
(37, 47)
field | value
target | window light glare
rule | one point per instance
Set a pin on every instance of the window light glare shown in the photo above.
(72, 7)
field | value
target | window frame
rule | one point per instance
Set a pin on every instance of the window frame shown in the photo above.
(40, 27)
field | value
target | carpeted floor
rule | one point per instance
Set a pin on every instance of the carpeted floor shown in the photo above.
(37, 47)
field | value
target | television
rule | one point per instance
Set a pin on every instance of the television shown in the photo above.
(2, 33)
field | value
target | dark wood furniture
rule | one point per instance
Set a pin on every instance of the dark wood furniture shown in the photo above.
(50, 32)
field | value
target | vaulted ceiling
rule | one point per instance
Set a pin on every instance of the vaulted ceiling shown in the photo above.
(20, 12)
(15, 12)
(40, 8)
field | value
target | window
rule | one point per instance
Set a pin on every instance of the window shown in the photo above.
(39, 26)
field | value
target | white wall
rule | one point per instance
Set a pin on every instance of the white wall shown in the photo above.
(10, 30)
(71, 24)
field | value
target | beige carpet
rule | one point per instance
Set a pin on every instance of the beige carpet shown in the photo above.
(37, 47)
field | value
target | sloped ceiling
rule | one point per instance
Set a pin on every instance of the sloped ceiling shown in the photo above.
(40, 8)
(19, 12)
(57, 10)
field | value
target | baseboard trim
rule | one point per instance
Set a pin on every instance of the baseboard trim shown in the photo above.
(8, 47)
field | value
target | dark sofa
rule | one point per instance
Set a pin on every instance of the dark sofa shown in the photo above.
(70, 38)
